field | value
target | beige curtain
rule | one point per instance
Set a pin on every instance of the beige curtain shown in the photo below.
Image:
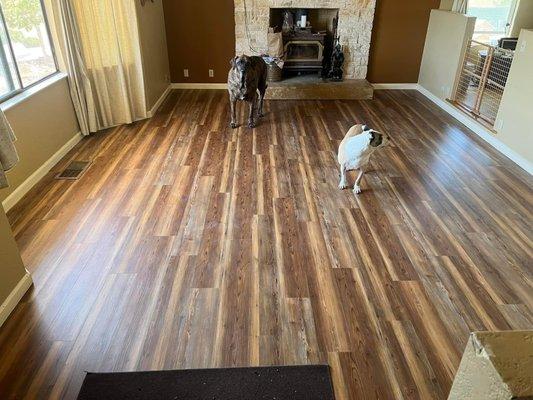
(460, 6)
(100, 50)
(8, 153)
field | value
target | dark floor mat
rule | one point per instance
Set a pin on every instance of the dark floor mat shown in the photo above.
(311, 382)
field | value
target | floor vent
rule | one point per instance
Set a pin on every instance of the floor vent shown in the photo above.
(74, 170)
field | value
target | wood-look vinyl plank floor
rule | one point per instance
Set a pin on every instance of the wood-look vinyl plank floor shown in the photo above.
(190, 245)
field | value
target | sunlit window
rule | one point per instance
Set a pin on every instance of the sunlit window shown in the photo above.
(493, 18)
(26, 54)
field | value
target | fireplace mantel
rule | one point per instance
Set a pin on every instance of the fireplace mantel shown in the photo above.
(356, 18)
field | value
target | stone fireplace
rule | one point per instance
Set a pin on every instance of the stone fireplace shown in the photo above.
(355, 20)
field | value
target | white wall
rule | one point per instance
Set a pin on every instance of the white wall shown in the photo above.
(523, 18)
(446, 40)
(515, 118)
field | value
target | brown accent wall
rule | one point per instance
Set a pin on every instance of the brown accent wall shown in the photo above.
(398, 40)
(201, 36)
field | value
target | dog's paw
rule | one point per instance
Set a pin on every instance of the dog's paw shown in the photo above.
(343, 185)
(234, 125)
(357, 189)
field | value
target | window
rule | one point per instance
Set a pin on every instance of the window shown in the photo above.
(493, 19)
(26, 54)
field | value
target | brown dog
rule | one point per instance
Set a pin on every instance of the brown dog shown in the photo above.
(246, 76)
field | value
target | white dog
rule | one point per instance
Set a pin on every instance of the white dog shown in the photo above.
(355, 151)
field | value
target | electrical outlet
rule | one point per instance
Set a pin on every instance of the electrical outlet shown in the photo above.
(211, 73)
(186, 73)
(499, 124)
(167, 78)
(523, 46)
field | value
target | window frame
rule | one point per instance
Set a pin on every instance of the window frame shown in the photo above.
(509, 25)
(17, 78)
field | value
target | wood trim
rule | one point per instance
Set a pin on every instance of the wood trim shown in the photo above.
(14, 297)
(476, 117)
(483, 80)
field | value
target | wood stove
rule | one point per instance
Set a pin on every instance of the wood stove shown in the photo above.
(304, 52)
(307, 36)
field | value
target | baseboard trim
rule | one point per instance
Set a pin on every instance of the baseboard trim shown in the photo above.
(395, 86)
(199, 86)
(479, 129)
(159, 101)
(32, 180)
(14, 297)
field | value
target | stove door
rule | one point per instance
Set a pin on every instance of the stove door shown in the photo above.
(302, 51)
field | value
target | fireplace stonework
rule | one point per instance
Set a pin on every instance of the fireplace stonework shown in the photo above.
(356, 18)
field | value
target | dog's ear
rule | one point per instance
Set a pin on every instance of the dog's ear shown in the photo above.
(366, 128)
(233, 61)
(376, 139)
